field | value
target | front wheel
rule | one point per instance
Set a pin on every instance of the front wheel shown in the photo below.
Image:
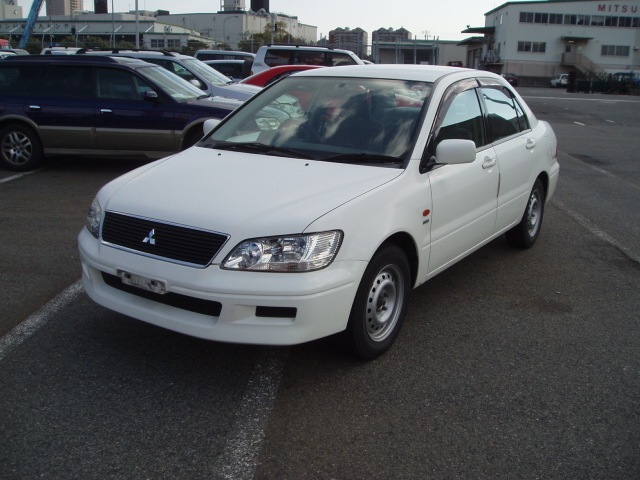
(20, 148)
(380, 304)
(525, 234)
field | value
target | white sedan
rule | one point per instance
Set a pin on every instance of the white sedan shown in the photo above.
(319, 204)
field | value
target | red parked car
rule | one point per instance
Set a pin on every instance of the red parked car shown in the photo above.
(267, 77)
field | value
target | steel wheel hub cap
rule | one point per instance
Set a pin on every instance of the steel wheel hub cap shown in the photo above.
(383, 304)
(533, 215)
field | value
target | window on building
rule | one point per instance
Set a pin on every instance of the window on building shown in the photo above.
(541, 18)
(625, 22)
(615, 50)
(555, 18)
(635, 22)
(173, 43)
(611, 21)
(157, 43)
(584, 19)
(570, 19)
(534, 47)
(526, 17)
(597, 20)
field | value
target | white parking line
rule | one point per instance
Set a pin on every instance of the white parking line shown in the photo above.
(601, 234)
(31, 325)
(239, 459)
(15, 177)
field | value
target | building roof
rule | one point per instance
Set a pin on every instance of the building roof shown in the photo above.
(535, 1)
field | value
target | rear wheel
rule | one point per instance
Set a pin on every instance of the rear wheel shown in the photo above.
(525, 234)
(380, 304)
(20, 148)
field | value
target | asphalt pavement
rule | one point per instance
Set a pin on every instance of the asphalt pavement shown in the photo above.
(511, 364)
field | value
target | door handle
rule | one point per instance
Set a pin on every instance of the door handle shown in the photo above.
(531, 142)
(105, 110)
(35, 107)
(488, 162)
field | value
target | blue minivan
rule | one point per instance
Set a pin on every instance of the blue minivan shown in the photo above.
(97, 106)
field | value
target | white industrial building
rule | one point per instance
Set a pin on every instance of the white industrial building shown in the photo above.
(540, 39)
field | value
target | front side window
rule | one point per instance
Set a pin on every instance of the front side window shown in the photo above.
(178, 89)
(349, 120)
(462, 119)
(114, 84)
(207, 72)
(504, 114)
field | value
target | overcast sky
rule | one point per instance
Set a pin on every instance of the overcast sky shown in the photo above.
(444, 18)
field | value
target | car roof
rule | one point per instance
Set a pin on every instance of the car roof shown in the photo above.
(304, 47)
(419, 73)
(83, 59)
(133, 53)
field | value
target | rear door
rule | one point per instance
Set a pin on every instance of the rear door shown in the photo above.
(516, 147)
(125, 121)
(63, 107)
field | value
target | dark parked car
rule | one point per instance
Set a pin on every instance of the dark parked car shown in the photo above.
(512, 78)
(94, 105)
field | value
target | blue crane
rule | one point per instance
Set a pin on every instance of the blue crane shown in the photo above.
(31, 21)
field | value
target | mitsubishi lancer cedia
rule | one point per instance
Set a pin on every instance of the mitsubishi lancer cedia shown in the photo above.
(317, 206)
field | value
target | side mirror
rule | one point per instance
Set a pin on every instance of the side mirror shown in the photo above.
(196, 83)
(210, 124)
(151, 96)
(455, 151)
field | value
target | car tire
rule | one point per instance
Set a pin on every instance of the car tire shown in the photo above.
(20, 148)
(380, 304)
(525, 234)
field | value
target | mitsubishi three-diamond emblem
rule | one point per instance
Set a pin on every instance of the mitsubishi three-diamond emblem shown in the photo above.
(150, 239)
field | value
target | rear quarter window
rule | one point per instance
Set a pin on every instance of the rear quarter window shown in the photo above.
(339, 59)
(21, 79)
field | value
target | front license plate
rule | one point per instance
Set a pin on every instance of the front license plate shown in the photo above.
(145, 283)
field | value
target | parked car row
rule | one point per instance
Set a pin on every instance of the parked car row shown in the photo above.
(97, 105)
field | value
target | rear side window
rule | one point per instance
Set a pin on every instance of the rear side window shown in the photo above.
(68, 82)
(278, 57)
(338, 59)
(505, 115)
(21, 79)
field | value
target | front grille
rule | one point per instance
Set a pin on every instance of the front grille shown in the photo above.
(177, 300)
(166, 241)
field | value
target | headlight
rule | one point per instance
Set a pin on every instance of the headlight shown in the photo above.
(294, 253)
(93, 218)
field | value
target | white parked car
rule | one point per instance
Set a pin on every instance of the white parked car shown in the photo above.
(269, 56)
(294, 221)
(561, 80)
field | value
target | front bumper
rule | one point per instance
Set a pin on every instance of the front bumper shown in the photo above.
(313, 305)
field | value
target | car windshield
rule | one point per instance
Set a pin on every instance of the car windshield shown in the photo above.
(211, 74)
(179, 89)
(346, 120)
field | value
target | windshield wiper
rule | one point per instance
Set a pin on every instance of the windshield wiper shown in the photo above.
(259, 148)
(362, 158)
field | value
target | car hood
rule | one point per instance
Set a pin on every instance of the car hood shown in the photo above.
(242, 87)
(243, 195)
